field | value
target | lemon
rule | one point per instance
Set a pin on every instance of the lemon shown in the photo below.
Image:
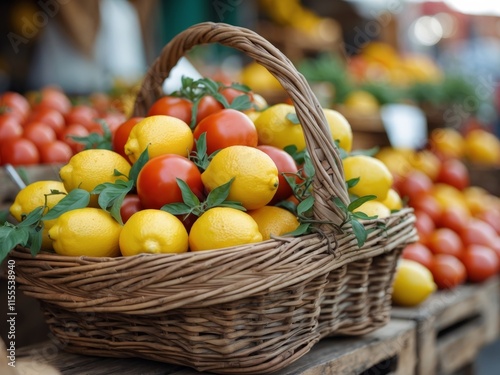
(447, 142)
(274, 220)
(340, 128)
(89, 168)
(275, 129)
(33, 196)
(153, 231)
(482, 147)
(259, 78)
(86, 232)
(393, 201)
(161, 135)
(255, 175)
(413, 283)
(221, 227)
(374, 177)
(362, 102)
(374, 208)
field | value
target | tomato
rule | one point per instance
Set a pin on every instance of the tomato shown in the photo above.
(17, 104)
(448, 271)
(121, 134)
(48, 116)
(55, 151)
(454, 218)
(427, 203)
(481, 263)
(172, 106)
(19, 151)
(227, 127)
(478, 232)
(53, 97)
(414, 184)
(10, 127)
(101, 102)
(419, 253)
(231, 93)
(113, 120)
(424, 225)
(81, 114)
(492, 217)
(39, 133)
(286, 166)
(496, 248)
(76, 130)
(207, 105)
(157, 185)
(130, 205)
(453, 172)
(445, 241)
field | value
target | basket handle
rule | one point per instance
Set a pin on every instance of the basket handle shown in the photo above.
(329, 178)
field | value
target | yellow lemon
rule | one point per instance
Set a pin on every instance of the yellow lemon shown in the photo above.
(154, 232)
(86, 232)
(482, 147)
(413, 283)
(447, 142)
(89, 168)
(396, 160)
(393, 201)
(221, 227)
(362, 102)
(374, 208)
(274, 220)
(374, 177)
(276, 129)
(33, 196)
(255, 175)
(161, 135)
(340, 128)
(259, 78)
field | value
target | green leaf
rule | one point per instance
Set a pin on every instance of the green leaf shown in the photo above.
(368, 152)
(301, 229)
(359, 231)
(11, 237)
(33, 217)
(358, 202)
(219, 194)
(339, 204)
(35, 241)
(194, 113)
(308, 166)
(77, 198)
(137, 166)
(362, 216)
(116, 207)
(221, 99)
(188, 197)
(305, 205)
(292, 117)
(287, 205)
(241, 103)
(297, 155)
(240, 87)
(352, 182)
(177, 208)
(232, 204)
(4, 214)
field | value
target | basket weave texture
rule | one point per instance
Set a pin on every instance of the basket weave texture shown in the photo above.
(249, 309)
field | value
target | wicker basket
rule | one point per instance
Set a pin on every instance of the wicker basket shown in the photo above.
(250, 309)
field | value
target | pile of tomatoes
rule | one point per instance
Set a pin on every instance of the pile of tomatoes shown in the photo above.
(39, 129)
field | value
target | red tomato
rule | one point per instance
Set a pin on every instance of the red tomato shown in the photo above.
(53, 97)
(478, 232)
(172, 106)
(231, 93)
(19, 151)
(445, 241)
(419, 253)
(448, 271)
(227, 127)
(207, 105)
(130, 205)
(492, 217)
(453, 172)
(10, 127)
(74, 130)
(481, 263)
(17, 104)
(157, 185)
(55, 151)
(81, 114)
(121, 134)
(414, 184)
(286, 165)
(48, 116)
(427, 203)
(454, 218)
(496, 248)
(113, 120)
(424, 225)
(39, 133)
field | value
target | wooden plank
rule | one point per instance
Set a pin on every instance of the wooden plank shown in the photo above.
(390, 349)
(453, 325)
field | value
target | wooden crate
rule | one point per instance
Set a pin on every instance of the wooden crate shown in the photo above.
(452, 326)
(389, 350)
(487, 177)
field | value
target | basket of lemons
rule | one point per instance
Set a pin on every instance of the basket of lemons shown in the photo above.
(231, 256)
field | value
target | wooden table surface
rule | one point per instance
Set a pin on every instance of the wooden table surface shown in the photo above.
(354, 355)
